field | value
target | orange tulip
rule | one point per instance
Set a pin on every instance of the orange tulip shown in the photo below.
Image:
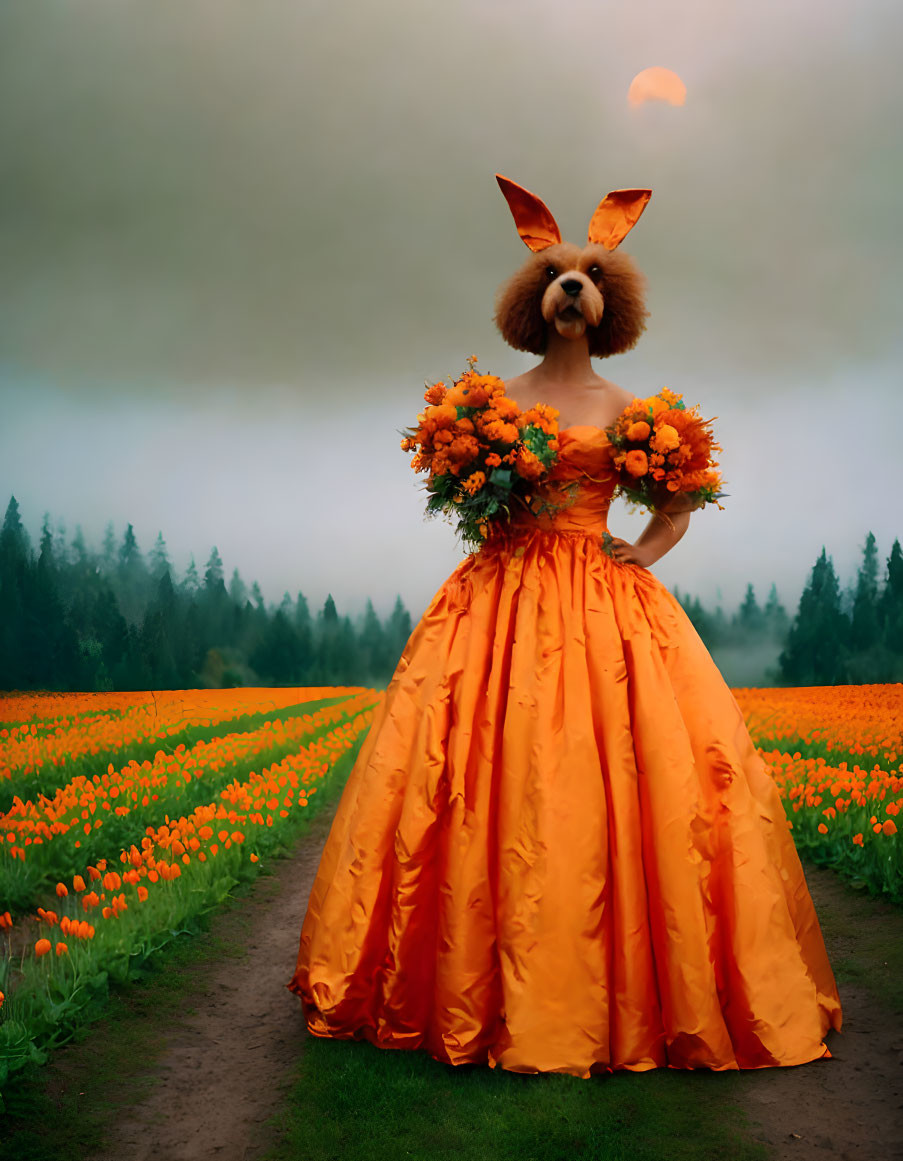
(889, 826)
(62, 949)
(42, 947)
(78, 883)
(62, 890)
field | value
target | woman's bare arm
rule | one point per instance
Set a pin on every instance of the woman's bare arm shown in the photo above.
(665, 528)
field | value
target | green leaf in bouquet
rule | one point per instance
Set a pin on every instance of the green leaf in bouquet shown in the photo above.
(501, 477)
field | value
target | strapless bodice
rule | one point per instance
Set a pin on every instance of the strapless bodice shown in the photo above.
(584, 460)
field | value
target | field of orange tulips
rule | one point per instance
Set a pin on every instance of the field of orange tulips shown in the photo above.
(128, 817)
(836, 754)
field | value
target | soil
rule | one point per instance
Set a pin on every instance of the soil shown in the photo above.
(227, 1068)
(848, 1107)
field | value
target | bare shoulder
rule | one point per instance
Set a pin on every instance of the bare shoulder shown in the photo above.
(612, 400)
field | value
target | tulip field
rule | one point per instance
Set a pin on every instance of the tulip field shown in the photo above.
(836, 754)
(125, 818)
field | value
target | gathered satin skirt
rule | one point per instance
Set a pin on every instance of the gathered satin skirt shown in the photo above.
(558, 849)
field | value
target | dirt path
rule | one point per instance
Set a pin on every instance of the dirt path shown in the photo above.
(226, 1069)
(850, 1107)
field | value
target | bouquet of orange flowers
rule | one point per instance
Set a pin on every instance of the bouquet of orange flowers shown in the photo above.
(661, 448)
(483, 454)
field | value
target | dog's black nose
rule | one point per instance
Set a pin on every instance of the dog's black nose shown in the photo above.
(572, 286)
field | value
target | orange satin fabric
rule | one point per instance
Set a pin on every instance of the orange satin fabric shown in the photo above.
(558, 850)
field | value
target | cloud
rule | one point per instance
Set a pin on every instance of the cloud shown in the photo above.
(200, 194)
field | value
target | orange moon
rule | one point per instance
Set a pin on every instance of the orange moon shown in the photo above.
(657, 84)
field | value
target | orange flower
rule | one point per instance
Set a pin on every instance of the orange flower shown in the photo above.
(527, 465)
(62, 890)
(477, 395)
(2, 998)
(62, 949)
(474, 482)
(665, 438)
(636, 463)
(6, 921)
(889, 826)
(638, 431)
(42, 947)
(443, 414)
(822, 829)
(142, 893)
(506, 407)
(857, 839)
(78, 883)
(436, 393)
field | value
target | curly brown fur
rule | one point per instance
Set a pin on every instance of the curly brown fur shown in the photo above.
(610, 282)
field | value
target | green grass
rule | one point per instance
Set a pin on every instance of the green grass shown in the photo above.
(354, 1101)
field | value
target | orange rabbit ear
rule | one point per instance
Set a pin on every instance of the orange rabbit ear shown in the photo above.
(616, 215)
(535, 223)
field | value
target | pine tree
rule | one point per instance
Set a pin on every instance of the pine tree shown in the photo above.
(890, 609)
(191, 584)
(257, 596)
(304, 629)
(776, 619)
(398, 630)
(213, 572)
(238, 590)
(109, 549)
(374, 659)
(46, 553)
(817, 645)
(750, 618)
(14, 542)
(160, 635)
(865, 631)
(277, 657)
(158, 560)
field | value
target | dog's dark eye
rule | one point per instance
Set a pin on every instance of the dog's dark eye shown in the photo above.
(594, 272)
(551, 271)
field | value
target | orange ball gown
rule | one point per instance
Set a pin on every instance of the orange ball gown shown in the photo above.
(558, 849)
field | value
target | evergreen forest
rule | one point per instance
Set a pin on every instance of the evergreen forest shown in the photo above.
(76, 618)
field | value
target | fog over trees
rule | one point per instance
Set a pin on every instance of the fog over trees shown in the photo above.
(77, 618)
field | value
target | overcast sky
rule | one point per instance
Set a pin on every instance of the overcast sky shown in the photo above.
(236, 239)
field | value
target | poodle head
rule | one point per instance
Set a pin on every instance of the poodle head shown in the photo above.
(594, 291)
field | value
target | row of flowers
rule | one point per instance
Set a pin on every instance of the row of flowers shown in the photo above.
(40, 839)
(80, 727)
(840, 721)
(845, 814)
(111, 917)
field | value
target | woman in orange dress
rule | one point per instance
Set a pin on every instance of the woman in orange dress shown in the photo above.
(558, 849)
